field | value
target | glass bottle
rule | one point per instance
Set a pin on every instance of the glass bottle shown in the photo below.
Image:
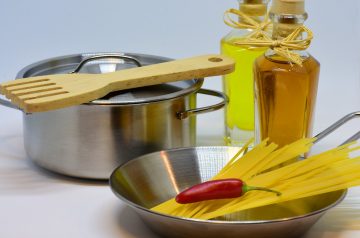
(238, 86)
(285, 93)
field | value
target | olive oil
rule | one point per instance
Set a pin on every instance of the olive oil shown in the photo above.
(286, 95)
(285, 92)
(239, 87)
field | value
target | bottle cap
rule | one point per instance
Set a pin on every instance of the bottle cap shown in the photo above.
(254, 7)
(288, 7)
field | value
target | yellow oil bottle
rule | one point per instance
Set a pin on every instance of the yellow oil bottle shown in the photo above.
(239, 85)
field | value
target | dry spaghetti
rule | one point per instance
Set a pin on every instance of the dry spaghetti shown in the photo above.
(264, 166)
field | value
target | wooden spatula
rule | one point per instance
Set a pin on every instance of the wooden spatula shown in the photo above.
(44, 93)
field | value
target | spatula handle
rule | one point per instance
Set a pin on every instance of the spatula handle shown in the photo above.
(190, 68)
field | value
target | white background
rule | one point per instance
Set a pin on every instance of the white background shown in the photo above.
(36, 204)
(39, 29)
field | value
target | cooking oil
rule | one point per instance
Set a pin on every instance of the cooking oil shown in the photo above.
(239, 87)
(285, 92)
(286, 95)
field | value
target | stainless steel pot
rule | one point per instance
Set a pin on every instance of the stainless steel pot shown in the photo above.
(92, 139)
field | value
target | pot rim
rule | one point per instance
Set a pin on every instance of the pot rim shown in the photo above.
(192, 88)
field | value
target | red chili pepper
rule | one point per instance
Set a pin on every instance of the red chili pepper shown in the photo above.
(217, 189)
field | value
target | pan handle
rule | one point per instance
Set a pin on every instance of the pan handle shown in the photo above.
(8, 104)
(191, 112)
(338, 124)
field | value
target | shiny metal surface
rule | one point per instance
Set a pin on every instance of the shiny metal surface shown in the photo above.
(192, 112)
(91, 140)
(153, 178)
(8, 104)
(105, 56)
(338, 124)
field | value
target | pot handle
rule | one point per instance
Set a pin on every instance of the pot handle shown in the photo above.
(338, 124)
(105, 56)
(191, 112)
(7, 103)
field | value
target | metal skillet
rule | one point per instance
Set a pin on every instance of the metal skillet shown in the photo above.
(154, 178)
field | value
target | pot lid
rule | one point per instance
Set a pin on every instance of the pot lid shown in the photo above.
(97, 63)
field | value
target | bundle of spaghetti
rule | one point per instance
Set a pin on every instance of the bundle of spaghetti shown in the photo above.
(278, 169)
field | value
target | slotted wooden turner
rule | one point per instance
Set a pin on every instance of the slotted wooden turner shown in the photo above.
(44, 93)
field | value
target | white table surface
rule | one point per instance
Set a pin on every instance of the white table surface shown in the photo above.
(36, 203)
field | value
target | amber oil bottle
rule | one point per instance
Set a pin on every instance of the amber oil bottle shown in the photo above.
(285, 93)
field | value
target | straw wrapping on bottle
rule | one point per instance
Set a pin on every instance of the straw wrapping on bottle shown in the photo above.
(283, 47)
(246, 22)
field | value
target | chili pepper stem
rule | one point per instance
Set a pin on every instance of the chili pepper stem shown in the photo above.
(247, 188)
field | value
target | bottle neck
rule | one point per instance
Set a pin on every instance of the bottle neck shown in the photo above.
(282, 30)
(284, 25)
